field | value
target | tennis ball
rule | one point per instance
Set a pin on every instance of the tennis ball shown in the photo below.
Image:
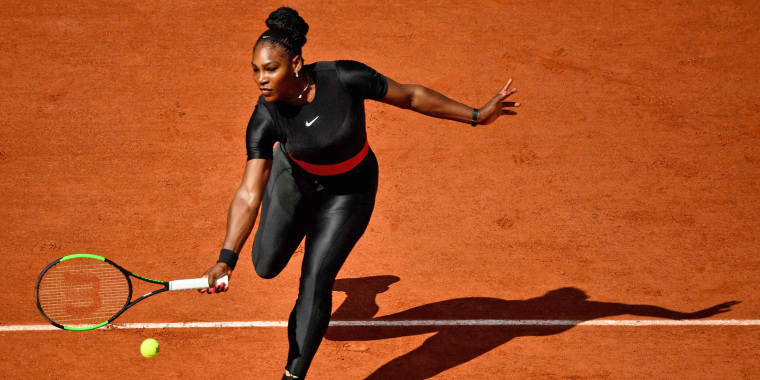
(149, 348)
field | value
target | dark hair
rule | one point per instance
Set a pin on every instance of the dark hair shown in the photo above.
(287, 29)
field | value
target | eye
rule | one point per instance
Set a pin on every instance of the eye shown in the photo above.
(271, 69)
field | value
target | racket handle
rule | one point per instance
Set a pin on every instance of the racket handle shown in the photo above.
(195, 283)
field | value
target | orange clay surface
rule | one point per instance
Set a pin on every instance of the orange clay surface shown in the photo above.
(631, 174)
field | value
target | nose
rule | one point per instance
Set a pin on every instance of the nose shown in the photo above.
(260, 78)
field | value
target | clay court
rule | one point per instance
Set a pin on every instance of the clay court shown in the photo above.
(623, 198)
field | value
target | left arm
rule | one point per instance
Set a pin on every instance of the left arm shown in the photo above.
(429, 102)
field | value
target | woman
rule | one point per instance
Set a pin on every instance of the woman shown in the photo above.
(321, 179)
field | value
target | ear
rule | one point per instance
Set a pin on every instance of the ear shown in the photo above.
(297, 63)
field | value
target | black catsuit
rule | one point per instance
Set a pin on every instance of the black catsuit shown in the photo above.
(331, 211)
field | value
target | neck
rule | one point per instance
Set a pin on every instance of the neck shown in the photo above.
(301, 91)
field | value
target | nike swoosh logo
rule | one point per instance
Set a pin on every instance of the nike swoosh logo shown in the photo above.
(309, 123)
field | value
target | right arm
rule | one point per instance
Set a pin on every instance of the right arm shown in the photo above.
(245, 205)
(241, 215)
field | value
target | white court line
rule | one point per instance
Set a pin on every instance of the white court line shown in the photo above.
(419, 323)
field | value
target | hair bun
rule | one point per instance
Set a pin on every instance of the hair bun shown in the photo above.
(287, 20)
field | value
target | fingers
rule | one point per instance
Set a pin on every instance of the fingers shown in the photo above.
(213, 275)
(221, 287)
(213, 287)
(204, 290)
(719, 308)
(726, 306)
(507, 93)
(506, 87)
(508, 112)
(510, 104)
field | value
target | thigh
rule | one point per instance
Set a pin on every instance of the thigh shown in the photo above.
(340, 220)
(284, 220)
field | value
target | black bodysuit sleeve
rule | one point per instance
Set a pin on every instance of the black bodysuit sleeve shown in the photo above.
(261, 134)
(363, 81)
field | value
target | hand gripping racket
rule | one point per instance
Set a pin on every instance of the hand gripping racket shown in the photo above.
(84, 292)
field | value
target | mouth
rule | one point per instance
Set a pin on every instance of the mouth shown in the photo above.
(266, 91)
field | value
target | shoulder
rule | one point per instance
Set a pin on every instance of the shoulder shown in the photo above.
(261, 132)
(341, 66)
(361, 79)
(262, 115)
(356, 70)
(323, 66)
(351, 66)
(264, 109)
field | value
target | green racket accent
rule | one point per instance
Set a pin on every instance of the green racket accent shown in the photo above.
(81, 255)
(147, 279)
(85, 328)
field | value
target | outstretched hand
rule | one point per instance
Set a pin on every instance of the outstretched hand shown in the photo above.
(497, 106)
(213, 273)
(710, 311)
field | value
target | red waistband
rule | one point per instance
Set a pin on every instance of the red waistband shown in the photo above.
(334, 169)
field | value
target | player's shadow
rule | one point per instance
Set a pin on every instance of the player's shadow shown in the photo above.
(455, 345)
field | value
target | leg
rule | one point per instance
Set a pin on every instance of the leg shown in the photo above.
(284, 220)
(340, 222)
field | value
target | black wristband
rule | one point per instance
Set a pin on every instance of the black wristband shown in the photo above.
(475, 116)
(228, 257)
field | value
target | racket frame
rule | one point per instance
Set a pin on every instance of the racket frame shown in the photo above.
(126, 274)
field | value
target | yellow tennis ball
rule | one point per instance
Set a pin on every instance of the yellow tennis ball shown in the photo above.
(149, 348)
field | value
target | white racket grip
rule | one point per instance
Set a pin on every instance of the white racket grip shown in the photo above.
(195, 283)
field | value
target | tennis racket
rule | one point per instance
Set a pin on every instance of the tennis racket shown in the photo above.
(84, 292)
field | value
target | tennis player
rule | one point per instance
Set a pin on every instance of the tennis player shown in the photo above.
(320, 181)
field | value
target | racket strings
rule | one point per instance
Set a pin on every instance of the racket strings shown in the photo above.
(82, 291)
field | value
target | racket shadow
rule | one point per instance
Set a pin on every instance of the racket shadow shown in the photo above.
(436, 354)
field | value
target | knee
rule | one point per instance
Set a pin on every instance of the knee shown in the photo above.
(266, 268)
(266, 271)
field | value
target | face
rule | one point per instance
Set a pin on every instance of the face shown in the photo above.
(274, 72)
